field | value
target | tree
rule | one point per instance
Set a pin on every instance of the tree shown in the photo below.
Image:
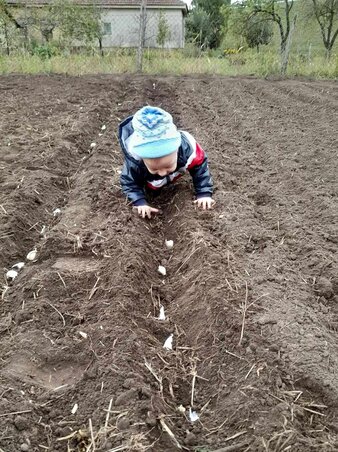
(78, 23)
(234, 20)
(210, 10)
(326, 14)
(21, 23)
(198, 29)
(44, 21)
(268, 11)
(74, 22)
(5, 27)
(5, 12)
(163, 32)
(239, 22)
(257, 32)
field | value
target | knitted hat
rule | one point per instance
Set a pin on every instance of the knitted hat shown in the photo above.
(155, 135)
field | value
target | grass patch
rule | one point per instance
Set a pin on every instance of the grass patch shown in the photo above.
(176, 62)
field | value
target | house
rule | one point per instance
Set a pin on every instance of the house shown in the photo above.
(121, 20)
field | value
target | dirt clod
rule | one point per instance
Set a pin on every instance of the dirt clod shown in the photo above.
(21, 423)
(126, 397)
(324, 287)
(24, 447)
(190, 439)
(123, 423)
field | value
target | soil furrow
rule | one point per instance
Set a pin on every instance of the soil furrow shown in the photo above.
(251, 287)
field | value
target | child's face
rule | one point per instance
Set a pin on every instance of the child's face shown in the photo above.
(162, 166)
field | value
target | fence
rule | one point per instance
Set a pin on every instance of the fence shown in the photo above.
(140, 37)
(108, 27)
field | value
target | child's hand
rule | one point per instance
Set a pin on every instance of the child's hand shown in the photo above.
(205, 203)
(146, 211)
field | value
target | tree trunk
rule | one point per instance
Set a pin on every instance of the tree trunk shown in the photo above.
(285, 48)
(101, 46)
(328, 52)
(47, 35)
(6, 38)
(142, 33)
(309, 55)
(25, 37)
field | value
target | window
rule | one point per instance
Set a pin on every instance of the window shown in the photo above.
(106, 28)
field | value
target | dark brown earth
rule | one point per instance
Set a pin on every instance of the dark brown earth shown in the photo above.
(251, 294)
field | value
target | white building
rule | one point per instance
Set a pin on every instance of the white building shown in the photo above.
(121, 20)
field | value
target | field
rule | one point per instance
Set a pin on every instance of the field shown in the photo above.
(251, 291)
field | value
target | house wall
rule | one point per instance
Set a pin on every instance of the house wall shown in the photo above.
(125, 27)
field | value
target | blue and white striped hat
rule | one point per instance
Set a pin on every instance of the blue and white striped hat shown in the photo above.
(155, 135)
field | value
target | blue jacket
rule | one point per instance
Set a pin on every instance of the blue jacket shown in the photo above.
(135, 175)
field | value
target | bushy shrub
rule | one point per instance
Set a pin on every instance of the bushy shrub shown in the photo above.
(45, 51)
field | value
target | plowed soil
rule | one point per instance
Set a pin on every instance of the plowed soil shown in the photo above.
(251, 291)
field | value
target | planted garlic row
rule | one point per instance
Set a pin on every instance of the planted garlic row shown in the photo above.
(31, 256)
(168, 343)
(162, 270)
(14, 271)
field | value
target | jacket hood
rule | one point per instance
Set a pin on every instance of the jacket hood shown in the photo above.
(125, 131)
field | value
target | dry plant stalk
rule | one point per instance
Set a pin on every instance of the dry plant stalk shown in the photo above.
(4, 291)
(170, 433)
(158, 379)
(92, 444)
(194, 375)
(55, 309)
(244, 309)
(186, 260)
(62, 280)
(15, 412)
(94, 289)
(108, 414)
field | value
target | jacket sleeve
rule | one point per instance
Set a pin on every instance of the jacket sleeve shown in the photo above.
(132, 185)
(199, 170)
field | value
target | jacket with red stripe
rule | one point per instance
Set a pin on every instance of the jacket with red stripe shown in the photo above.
(135, 175)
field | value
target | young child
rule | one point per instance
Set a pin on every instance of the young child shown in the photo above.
(157, 154)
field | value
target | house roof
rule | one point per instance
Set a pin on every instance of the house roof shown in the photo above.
(149, 3)
(110, 3)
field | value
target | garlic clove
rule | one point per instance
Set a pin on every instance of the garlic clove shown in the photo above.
(168, 345)
(18, 266)
(193, 416)
(56, 212)
(169, 244)
(162, 313)
(162, 270)
(31, 256)
(11, 274)
(84, 335)
(92, 145)
(103, 127)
